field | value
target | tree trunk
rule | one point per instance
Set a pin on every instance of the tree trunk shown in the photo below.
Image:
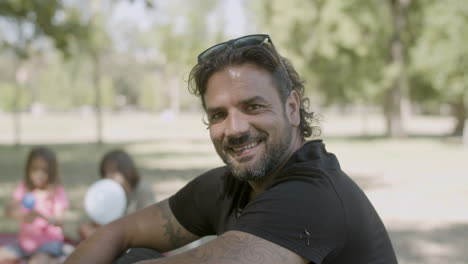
(460, 114)
(16, 117)
(96, 7)
(98, 101)
(393, 114)
(364, 113)
(395, 98)
(21, 77)
(465, 134)
(174, 95)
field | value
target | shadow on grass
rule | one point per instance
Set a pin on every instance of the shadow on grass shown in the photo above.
(78, 163)
(441, 245)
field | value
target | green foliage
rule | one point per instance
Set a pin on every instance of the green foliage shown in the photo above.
(28, 23)
(47, 18)
(148, 95)
(441, 54)
(17, 97)
(342, 47)
(107, 92)
(99, 40)
(7, 93)
(178, 39)
(339, 46)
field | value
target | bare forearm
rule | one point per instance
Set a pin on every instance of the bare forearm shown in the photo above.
(17, 214)
(103, 246)
(28, 216)
(234, 248)
(12, 211)
(153, 227)
(86, 229)
(158, 229)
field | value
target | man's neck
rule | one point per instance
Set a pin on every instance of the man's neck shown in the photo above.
(260, 186)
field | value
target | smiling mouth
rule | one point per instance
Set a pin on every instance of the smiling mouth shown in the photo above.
(238, 150)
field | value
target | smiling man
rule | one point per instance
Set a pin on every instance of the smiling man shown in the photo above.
(248, 125)
(279, 199)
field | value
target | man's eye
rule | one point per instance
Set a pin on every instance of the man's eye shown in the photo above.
(254, 107)
(216, 117)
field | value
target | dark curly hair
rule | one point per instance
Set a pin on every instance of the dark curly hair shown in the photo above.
(264, 56)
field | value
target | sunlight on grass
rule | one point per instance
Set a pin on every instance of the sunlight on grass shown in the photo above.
(171, 146)
(184, 162)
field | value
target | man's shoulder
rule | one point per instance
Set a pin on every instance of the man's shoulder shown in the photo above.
(211, 180)
(312, 160)
(212, 175)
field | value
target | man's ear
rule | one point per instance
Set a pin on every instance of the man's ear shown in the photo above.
(293, 106)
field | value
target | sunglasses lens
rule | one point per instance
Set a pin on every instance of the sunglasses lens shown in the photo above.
(246, 41)
(249, 41)
(210, 51)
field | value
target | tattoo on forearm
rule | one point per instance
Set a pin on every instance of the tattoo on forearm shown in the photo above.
(173, 232)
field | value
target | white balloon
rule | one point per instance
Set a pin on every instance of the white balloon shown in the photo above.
(105, 201)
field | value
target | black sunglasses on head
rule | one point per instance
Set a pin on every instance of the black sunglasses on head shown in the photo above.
(245, 41)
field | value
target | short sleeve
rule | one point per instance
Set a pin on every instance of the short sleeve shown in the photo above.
(305, 217)
(196, 205)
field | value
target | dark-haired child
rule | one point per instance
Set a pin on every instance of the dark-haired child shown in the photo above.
(120, 167)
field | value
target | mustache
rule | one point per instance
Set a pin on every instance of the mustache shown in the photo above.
(241, 139)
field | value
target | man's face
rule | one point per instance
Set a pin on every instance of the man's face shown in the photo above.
(249, 127)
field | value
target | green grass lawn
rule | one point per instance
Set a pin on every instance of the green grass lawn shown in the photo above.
(164, 168)
(419, 184)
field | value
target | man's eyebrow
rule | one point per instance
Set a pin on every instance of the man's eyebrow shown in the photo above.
(213, 109)
(242, 102)
(253, 99)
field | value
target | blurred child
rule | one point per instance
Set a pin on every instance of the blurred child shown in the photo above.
(119, 166)
(38, 204)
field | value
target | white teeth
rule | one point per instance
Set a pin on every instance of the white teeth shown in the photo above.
(249, 146)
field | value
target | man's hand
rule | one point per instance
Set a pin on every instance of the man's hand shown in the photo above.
(86, 229)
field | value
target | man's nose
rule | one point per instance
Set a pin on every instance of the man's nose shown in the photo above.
(237, 124)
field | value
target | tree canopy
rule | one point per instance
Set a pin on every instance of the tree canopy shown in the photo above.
(357, 52)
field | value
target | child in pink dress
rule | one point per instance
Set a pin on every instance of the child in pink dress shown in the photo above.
(38, 204)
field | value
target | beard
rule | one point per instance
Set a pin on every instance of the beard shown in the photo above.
(268, 160)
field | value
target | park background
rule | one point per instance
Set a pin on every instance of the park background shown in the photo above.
(387, 78)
